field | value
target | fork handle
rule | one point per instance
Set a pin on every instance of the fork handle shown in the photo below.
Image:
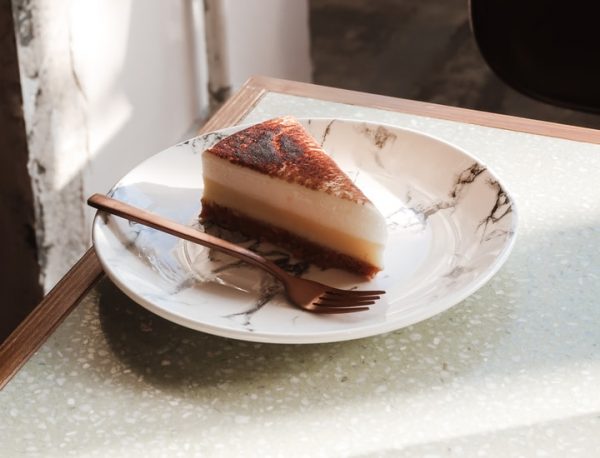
(129, 212)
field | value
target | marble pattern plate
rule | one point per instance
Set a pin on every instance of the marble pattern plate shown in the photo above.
(451, 226)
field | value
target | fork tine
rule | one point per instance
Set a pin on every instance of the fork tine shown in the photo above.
(353, 292)
(327, 303)
(341, 298)
(330, 310)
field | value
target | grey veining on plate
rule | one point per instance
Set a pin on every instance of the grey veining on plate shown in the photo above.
(210, 265)
(439, 202)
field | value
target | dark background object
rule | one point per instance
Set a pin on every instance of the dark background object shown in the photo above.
(423, 51)
(547, 49)
(20, 288)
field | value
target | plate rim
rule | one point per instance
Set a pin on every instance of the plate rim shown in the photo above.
(341, 335)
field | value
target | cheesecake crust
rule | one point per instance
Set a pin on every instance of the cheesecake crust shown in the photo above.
(299, 247)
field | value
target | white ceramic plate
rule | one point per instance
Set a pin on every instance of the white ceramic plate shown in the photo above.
(451, 226)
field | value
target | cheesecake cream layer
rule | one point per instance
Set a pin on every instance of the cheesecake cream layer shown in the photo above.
(317, 216)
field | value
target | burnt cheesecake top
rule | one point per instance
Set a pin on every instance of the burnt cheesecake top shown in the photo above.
(281, 148)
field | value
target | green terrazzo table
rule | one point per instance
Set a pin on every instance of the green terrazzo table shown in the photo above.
(514, 370)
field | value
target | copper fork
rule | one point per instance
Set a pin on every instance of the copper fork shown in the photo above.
(306, 294)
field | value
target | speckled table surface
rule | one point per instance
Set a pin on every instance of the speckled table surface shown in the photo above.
(514, 370)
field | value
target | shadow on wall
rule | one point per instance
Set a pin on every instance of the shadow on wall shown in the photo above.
(415, 50)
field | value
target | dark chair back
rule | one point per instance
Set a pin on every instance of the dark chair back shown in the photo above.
(547, 49)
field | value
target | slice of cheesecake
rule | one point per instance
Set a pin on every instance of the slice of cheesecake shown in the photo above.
(274, 182)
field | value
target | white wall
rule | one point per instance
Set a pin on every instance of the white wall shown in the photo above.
(106, 83)
(258, 37)
(135, 61)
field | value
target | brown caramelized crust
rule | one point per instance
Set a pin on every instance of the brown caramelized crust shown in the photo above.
(299, 247)
(282, 148)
